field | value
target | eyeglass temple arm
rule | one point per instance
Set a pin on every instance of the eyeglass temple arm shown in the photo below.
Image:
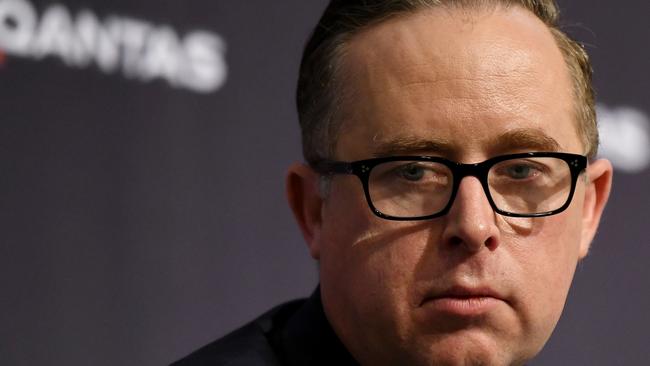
(332, 167)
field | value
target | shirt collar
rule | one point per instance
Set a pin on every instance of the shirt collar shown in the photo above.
(308, 338)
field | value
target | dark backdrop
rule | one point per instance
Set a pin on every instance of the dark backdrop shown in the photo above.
(142, 211)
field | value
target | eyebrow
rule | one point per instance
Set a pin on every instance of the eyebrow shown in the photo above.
(521, 139)
(528, 139)
(407, 144)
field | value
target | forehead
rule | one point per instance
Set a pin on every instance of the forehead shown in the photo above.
(468, 79)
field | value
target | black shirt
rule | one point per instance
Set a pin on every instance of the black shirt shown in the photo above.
(292, 334)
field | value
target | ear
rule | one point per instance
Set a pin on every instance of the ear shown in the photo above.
(303, 194)
(599, 175)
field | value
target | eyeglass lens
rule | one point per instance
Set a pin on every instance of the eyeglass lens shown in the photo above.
(419, 188)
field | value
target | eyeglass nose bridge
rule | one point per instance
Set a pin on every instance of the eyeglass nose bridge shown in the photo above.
(477, 170)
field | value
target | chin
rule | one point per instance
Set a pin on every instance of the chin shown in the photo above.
(464, 349)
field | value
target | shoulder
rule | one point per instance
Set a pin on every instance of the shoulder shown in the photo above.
(245, 346)
(249, 345)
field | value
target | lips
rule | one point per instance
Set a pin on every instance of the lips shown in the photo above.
(463, 301)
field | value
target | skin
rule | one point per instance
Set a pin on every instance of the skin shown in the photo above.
(466, 85)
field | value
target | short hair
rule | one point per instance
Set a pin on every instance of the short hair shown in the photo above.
(319, 94)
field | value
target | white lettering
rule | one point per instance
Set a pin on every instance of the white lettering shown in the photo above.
(107, 53)
(54, 37)
(17, 24)
(82, 44)
(134, 47)
(163, 56)
(207, 69)
(625, 137)
(133, 36)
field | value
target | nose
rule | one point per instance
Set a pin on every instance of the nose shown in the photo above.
(471, 221)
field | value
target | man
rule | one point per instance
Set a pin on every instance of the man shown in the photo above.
(447, 196)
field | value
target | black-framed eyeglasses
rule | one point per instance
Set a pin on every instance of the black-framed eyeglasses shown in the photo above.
(532, 184)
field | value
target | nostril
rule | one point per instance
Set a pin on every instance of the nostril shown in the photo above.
(491, 243)
(455, 241)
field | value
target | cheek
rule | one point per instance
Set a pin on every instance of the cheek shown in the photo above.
(559, 250)
(547, 260)
(353, 239)
(369, 255)
(345, 226)
(367, 264)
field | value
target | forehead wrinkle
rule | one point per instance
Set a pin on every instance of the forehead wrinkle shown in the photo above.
(433, 90)
(372, 53)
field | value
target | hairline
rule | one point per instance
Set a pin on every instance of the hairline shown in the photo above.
(339, 45)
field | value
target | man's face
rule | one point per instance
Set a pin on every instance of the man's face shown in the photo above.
(480, 84)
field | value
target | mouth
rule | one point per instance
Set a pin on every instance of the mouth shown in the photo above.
(463, 301)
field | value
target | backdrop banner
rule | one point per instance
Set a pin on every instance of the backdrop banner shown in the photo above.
(143, 147)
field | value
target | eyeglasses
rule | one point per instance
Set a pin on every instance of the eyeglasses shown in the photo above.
(533, 184)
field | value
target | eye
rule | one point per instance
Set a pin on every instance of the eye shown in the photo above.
(411, 172)
(520, 171)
